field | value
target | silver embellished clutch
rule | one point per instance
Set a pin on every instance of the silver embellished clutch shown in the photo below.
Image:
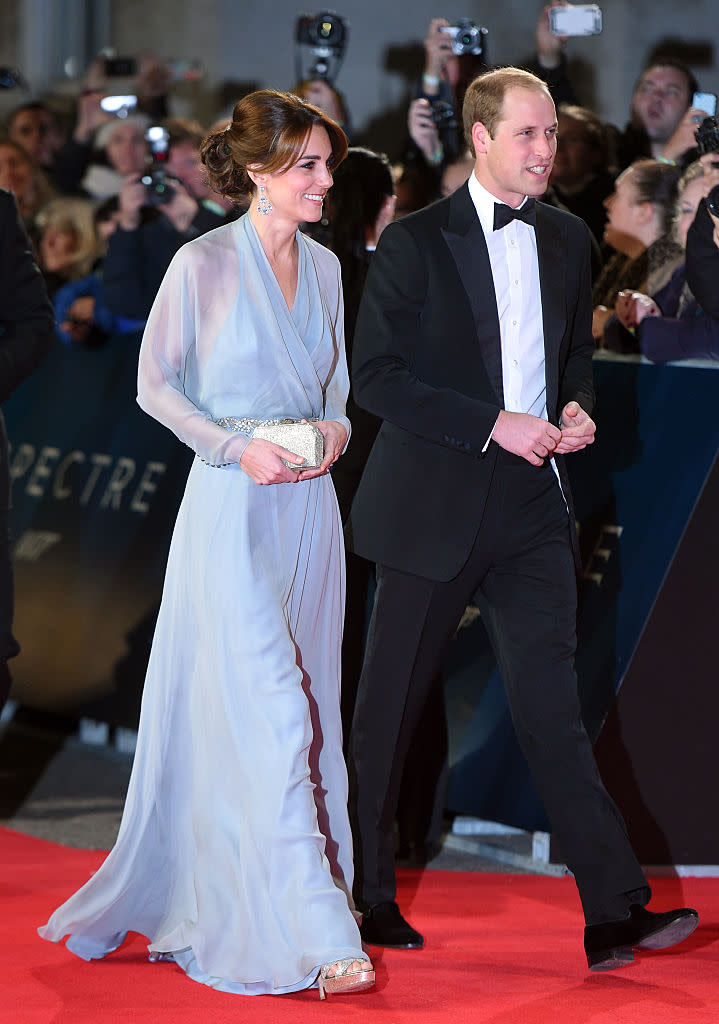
(304, 439)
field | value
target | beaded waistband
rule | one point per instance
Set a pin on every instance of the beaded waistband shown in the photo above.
(245, 424)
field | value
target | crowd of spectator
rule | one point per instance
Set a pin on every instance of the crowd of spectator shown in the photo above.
(103, 232)
(104, 237)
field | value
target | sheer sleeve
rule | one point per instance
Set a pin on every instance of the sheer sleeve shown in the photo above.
(169, 338)
(336, 388)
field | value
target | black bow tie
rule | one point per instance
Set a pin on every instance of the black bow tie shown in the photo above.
(503, 214)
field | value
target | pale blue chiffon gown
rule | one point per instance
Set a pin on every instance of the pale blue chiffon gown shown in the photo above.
(234, 851)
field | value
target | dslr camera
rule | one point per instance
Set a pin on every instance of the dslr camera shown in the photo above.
(326, 36)
(158, 185)
(467, 37)
(707, 136)
(442, 113)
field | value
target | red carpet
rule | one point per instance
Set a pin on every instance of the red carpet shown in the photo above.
(501, 949)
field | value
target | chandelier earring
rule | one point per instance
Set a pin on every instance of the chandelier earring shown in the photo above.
(264, 205)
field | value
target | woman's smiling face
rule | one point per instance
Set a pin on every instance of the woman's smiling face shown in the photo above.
(297, 193)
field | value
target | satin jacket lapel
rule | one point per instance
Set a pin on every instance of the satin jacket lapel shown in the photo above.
(552, 256)
(466, 242)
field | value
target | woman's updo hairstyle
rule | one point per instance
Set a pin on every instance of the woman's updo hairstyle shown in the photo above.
(657, 183)
(267, 132)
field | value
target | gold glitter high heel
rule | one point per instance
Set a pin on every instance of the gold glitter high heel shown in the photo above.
(343, 979)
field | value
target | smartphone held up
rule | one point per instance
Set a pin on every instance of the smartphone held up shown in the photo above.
(575, 20)
(705, 101)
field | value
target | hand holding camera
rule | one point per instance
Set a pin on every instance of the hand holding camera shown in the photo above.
(173, 200)
(549, 45)
(90, 115)
(181, 208)
(423, 128)
(437, 49)
(320, 93)
(687, 135)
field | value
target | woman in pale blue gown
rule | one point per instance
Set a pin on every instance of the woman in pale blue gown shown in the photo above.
(234, 853)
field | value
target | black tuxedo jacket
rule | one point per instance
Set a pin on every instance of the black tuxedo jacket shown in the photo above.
(427, 360)
(703, 261)
(26, 335)
(26, 315)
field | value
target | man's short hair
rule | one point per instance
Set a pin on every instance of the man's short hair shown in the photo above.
(484, 98)
(183, 129)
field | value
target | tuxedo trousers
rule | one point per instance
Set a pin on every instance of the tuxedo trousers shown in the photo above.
(521, 573)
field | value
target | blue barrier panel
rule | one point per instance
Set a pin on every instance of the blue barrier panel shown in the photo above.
(635, 490)
(96, 487)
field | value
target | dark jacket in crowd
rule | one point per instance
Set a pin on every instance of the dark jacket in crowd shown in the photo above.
(136, 261)
(703, 261)
(26, 336)
(685, 331)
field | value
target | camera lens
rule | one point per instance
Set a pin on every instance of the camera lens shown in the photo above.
(465, 38)
(713, 201)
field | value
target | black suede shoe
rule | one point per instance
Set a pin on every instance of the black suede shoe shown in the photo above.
(383, 925)
(610, 945)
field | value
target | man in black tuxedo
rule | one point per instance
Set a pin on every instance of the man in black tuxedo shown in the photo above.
(26, 335)
(474, 346)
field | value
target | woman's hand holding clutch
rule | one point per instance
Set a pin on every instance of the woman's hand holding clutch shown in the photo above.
(262, 461)
(335, 436)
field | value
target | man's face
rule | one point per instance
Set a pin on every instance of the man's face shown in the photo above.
(126, 149)
(36, 131)
(576, 157)
(183, 162)
(517, 162)
(660, 99)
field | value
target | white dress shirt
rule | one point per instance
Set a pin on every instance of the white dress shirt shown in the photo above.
(515, 272)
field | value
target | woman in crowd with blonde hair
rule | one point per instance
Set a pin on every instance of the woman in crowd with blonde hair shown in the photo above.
(67, 242)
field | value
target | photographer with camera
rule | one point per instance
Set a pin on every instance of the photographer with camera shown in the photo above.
(454, 55)
(119, 149)
(320, 46)
(158, 212)
(147, 79)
